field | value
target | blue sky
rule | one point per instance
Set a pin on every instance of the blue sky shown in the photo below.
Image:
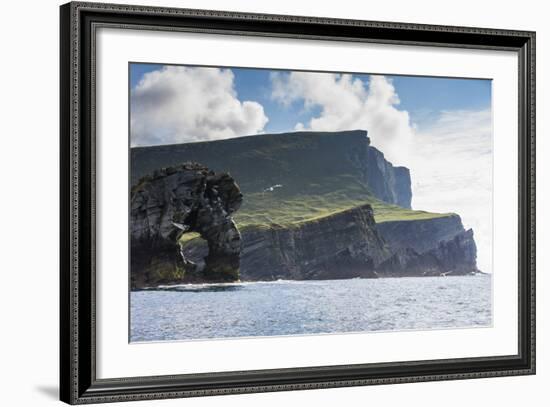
(421, 97)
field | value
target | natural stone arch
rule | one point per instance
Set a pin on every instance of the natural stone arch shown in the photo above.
(174, 201)
(193, 250)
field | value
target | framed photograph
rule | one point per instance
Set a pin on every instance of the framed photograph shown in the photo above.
(254, 203)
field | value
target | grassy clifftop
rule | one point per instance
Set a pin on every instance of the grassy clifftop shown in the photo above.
(273, 208)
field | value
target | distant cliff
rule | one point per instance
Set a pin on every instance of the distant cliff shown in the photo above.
(388, 183)
(299, 161)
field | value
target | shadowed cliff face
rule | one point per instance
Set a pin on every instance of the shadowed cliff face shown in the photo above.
(388, 183)
(350, 244)
(176, 200)
(456, 256)
(420, 235)
(344, 245)
(430, 247)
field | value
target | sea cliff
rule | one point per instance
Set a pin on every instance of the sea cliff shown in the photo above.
(350, 244)
(297, 206)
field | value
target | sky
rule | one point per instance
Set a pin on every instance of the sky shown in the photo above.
(440, 128)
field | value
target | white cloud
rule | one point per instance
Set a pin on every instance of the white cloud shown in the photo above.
(346, 103)
(450, 159)
(183, 104)
(452, 171)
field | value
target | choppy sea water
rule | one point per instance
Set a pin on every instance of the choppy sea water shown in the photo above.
(206, 311)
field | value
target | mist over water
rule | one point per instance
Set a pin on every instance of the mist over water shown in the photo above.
(210, 311)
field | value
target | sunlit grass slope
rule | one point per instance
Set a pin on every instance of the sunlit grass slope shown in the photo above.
(286, 179)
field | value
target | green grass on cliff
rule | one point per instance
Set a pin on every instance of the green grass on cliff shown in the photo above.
(314, 173)
(314, 201)
(386, 213)
(265, 210)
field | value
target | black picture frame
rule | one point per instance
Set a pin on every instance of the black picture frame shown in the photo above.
(78, 382)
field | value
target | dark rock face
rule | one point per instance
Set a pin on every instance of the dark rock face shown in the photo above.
(437, 246)
(456, 256)
(350, 244)
(344, 245)
(420, 235)
(176, 200)
(403, 191)
(388, 183)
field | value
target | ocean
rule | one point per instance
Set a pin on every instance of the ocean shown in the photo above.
(250, 309)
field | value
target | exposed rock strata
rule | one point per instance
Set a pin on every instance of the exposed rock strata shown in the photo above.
(456, 256)
(420, 235)
(349, 244)
(388, 183)
(175, 200)
(344, 245)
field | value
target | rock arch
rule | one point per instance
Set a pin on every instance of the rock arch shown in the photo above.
(177, 200)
